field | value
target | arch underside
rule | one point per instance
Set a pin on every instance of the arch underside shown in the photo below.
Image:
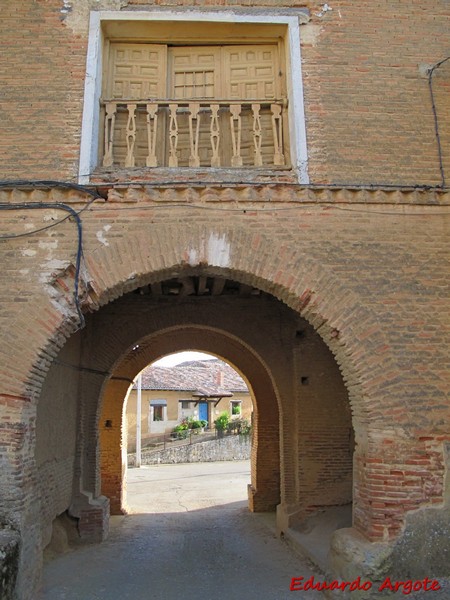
(300, 399)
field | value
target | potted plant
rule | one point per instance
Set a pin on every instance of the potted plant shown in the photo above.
(180, 431)
(196, 426)
(221, 423)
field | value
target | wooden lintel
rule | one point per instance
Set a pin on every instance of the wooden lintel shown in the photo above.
(188, 286)
(156, 289)
(218, 286)
(245, 290)
(201, 285)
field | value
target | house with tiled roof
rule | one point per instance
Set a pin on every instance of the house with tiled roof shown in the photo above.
(201, 389)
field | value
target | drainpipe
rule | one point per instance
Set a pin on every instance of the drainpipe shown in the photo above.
(138, 420)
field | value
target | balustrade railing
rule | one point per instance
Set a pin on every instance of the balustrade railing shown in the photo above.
(215, 133)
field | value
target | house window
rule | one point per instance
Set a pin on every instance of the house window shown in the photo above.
(158, 413)
(194, 106)
(185, 404)
(158, 410)
(236, 407)
(180, 89)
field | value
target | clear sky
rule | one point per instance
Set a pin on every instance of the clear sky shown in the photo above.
(174, 359)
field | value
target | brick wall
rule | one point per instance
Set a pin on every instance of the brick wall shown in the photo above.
(366, 91)
(349, 269)
(356, 271)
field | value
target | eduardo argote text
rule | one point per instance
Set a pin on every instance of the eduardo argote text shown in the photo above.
(406, 587)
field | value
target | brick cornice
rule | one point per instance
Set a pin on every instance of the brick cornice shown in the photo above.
(276, 193)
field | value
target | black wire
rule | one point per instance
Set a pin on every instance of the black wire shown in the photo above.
(73, 213)
(38, 183)
(49, 183)
(204, 184)
(33, 231)
(436, 121)
(273, 208)
(95, 196)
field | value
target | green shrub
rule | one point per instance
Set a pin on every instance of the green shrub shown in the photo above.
(240, 426)
(180, 427)
(222, 421)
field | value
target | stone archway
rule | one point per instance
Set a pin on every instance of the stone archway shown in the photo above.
(264, 492)
(265, 340)
(300, 282)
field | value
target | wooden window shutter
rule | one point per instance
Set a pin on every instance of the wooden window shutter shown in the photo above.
(137, 71)
(253, 73)
(194, 73)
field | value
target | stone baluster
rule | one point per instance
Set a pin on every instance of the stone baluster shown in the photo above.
(215, 135)
(277, 126)
(173, 135)
(152, 129)
(110, 120)
(131, 135)
(257, 134)
(194, 132)
(236, 129)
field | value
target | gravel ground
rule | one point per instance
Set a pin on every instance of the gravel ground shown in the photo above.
(190, 536)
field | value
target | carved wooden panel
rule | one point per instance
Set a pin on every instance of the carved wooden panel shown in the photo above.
(253, 72)
(135, 72)
(194, 73)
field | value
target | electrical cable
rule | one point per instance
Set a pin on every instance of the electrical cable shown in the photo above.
(271, 209)
(75, 215)
(46, 183)
(33, 231)
(49, 183)
(95, 196)
(435, 115)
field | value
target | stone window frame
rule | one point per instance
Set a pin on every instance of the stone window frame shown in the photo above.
(89, 147)
(157, 403)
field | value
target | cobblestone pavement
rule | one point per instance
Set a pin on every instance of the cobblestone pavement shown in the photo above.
(189, 537)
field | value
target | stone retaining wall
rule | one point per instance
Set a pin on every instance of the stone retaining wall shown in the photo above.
(233, 447)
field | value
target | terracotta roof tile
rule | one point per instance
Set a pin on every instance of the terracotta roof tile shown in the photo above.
(209, 377)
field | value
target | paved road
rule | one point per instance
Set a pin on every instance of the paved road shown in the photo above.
(189, 537)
